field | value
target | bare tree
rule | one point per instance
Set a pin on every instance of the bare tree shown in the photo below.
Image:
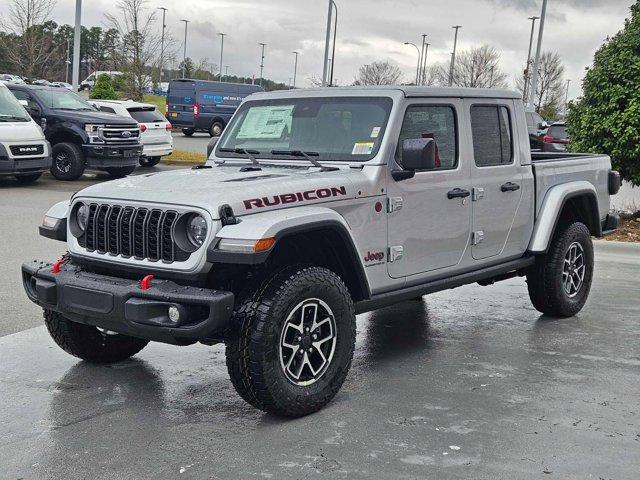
(479, 67)
(550, 92)
(379, 73)
(140, 44)
(30, 48)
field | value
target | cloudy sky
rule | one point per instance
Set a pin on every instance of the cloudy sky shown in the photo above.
(370, 30)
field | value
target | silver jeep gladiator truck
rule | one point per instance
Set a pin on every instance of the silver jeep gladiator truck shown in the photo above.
(314, 206)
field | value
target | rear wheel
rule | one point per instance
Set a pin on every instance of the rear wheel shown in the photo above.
(291, 341)
(560, 281)
(216, 129)
(27, 178)
(119, 172)
(90, 343)
(188, 131)
(67, 162)
(149, 161)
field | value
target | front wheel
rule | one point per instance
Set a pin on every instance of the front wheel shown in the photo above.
(149, 161)
(119, 172)
(291, 341)
(560, 281)
(188, 131)
(90, 343)
(67, 161)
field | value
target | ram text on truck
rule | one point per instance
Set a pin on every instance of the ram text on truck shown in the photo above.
(316, 205)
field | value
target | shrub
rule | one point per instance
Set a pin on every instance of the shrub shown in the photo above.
(103, 89)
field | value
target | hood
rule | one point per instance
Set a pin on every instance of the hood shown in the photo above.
(82, 116)
(20, 132)
(273, 187)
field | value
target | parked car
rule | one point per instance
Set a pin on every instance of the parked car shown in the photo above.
(24, 152)
(204, 106)
(66, 85)
(155, 130)
(537, 127)
(41, 82)
(556, 138)
(81, 136)
(317, 205)
(8, 78)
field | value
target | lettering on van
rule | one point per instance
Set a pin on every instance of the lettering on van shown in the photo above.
(285, 198)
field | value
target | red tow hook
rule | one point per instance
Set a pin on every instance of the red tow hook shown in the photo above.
(145, 283)
(57, 264)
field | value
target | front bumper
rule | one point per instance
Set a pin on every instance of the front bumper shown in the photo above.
(120, 305)
(12, 166)
(102, 156)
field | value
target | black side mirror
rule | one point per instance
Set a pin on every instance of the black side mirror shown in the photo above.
(34, 111)
(211, 146)
(419, 154)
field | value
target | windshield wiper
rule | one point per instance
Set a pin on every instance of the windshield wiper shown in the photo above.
(243, 151)
(7, 118)
(308, 156)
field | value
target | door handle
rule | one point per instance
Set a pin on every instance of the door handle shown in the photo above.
(458, 193)
(510, 187)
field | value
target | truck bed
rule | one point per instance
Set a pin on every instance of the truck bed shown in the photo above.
(551, 169)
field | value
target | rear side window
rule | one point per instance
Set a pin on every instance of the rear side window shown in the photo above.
(106, 109)
(558, 131)
(432, 121)
(491, 132)
(146, 116)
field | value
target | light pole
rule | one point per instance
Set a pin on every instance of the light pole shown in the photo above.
(68, 61)
(76, 46)
(226, 71)
(424, 40)
(222, 35)
(164, 25)
(262, 61)
(536, 63)
(333, 50)
(184, 54)
(527, 70)
(325, 65)
(453, 54)
(566, 99)
(419, 59)
(295, 67)
(423, 75)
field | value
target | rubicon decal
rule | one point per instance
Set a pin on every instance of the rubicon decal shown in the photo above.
(309, 195)
(374, 257)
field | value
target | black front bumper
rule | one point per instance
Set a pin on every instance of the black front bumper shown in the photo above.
(111, 156)
(120, 305)
(12, 166)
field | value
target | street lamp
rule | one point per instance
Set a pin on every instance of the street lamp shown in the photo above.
(76, 47)
(453, 54)
(226, 71)
(68, 61)
(333, 49)
(536, 63)
(325, 68)
(184, 55)
(424, 39)
(423, 76)
(419, 59)
(566, 99)
(528, 67)
(262, 61)
(164, 25)
(222, 35)
(295, 68)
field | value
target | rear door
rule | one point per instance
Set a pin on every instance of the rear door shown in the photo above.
(181, 98)
(497, 178)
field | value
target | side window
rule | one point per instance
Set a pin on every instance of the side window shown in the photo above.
(107, 109)
(20, 95)
(491, 132)
(432, 121)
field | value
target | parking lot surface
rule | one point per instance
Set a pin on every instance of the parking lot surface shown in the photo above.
(469, 383)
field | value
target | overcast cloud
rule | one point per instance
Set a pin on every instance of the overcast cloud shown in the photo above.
(370, 30)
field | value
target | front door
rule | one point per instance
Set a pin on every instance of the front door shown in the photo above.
(430, 214)
(497, 178)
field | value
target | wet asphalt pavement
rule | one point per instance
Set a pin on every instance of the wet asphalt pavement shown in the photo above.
(467, 384)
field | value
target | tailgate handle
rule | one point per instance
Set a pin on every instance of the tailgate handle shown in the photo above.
(458, 193)
(510, 187)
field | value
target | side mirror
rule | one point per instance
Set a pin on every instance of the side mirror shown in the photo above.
(211, 145)
(419, 154)
(34, 111)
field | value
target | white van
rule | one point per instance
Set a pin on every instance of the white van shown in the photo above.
(24, 151)
(90, 81)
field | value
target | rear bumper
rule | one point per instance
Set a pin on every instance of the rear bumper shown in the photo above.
(158, 150)
(108, 156)
(120, 305)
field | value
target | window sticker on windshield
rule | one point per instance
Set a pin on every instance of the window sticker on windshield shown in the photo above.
(375, 132)
(362, 148)
(265, 122)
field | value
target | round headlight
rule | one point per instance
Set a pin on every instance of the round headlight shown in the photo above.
(197, 230)
(82, 216)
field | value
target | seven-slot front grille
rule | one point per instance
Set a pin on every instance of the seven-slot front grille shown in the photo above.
(143, 233)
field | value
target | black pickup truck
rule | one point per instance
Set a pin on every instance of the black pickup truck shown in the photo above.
(81, 136)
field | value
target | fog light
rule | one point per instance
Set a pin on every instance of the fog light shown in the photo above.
(174, 314)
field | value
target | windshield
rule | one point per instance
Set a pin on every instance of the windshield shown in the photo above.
(10, 108)
(331, 128)
(62, 99)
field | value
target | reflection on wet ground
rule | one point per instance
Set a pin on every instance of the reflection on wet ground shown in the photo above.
(471, 383)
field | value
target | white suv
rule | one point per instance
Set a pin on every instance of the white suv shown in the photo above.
(155, 129)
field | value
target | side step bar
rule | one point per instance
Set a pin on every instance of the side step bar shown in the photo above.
(389, 298)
